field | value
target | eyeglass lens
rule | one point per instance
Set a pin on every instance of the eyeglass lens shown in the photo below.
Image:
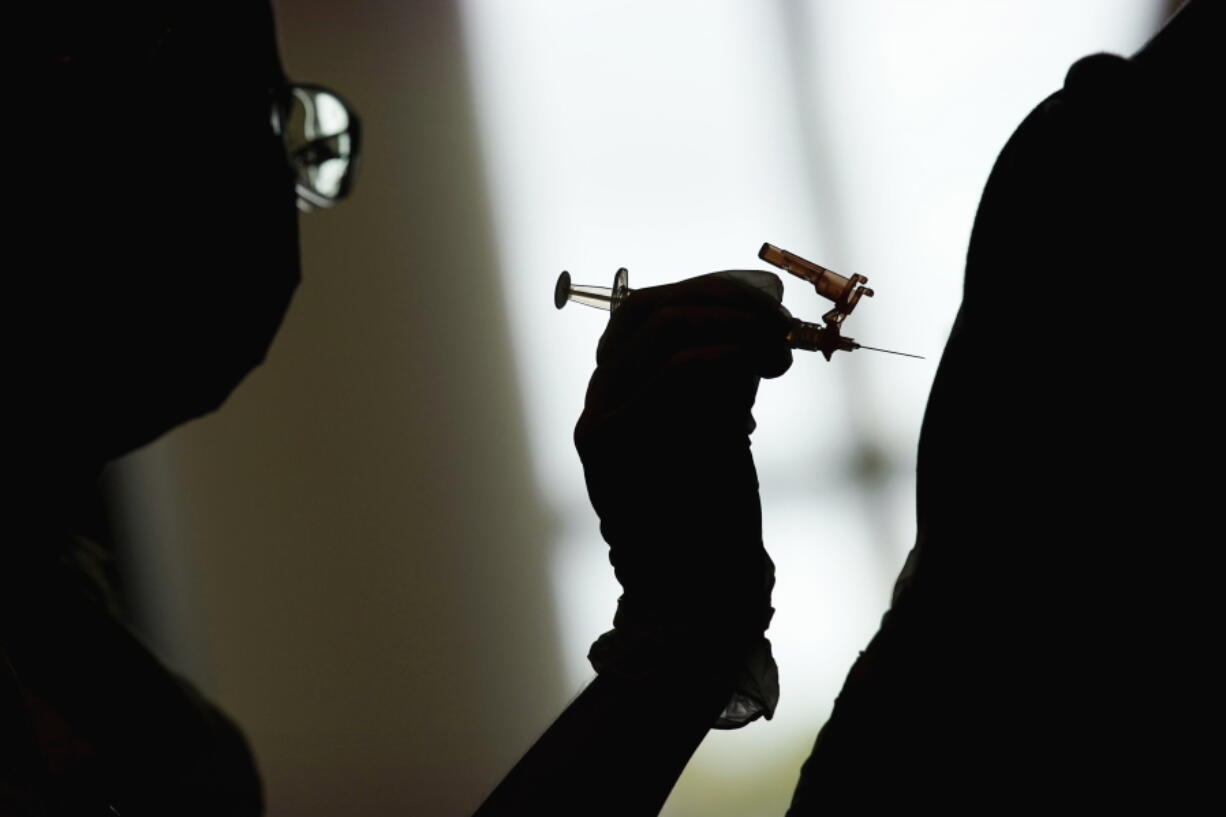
(320, 134)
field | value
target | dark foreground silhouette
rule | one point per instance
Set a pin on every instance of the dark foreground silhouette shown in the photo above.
(156, 232)
(1047, 641)
(1052, 639)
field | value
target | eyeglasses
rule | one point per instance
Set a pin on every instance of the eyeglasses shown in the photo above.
(322, 137)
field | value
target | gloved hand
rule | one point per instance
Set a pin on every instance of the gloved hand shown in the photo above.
(664, 440)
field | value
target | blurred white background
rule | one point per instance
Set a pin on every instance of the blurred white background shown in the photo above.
(379, 555)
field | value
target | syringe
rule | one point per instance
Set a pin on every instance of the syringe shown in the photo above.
(810, 337)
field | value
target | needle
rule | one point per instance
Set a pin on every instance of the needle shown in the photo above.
(888, 351)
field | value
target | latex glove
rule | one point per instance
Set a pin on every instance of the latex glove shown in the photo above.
(664, 440)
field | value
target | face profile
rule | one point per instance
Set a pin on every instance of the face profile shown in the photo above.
(171, 157)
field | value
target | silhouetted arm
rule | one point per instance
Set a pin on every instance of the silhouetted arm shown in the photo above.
(616, 750)
(664, 440)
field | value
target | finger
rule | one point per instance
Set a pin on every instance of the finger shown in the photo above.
(708, 385)
(714, 337)
(672, 329)
(718, 339)
(702, 393)
(707, 290)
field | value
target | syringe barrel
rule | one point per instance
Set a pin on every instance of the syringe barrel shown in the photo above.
(599, 297)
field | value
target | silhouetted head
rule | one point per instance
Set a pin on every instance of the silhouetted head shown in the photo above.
(158, 219)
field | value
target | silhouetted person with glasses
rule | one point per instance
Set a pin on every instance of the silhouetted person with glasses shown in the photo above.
(164, 157)
(1052, 641)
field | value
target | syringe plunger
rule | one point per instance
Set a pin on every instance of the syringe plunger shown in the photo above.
(608, 298)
